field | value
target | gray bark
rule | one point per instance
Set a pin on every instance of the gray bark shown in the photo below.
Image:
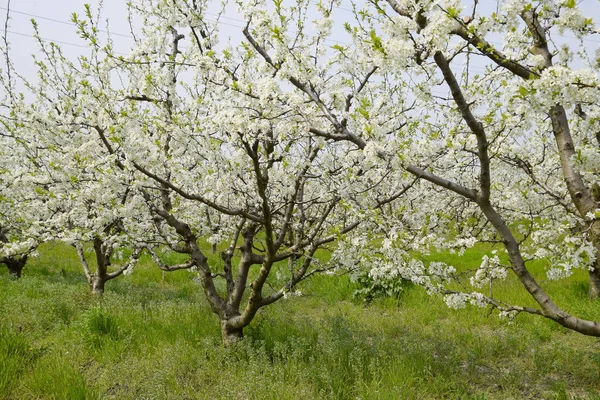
(594, 276)
(98, 279)
(97, 284)
(231, 335)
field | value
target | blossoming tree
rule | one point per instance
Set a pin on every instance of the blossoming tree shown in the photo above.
(20, 210)
(219, 151)
(517, 141)
(76, 191)
(512, 149)
(291, 143)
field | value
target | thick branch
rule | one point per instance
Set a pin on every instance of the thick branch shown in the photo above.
(83, 260)
(474, 124)
(450, 185)
(490, 51)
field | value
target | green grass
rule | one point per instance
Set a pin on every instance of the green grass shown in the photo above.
(153, 336)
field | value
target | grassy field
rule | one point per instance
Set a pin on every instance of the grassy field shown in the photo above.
(153, 337)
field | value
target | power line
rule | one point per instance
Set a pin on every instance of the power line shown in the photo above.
(131, 37)
(49, 40)
(230, 24)
(125, 54)
(219, 21)
(62, 22)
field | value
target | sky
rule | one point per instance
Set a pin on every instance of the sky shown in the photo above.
(53, 18)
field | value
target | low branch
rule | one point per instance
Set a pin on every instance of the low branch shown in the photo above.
(470, 194)
(186, 265)
(84, 263)
(489, 51)
(132, 260)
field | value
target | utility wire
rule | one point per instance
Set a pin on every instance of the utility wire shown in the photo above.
(62, 22)
(131, 37)
(230, 24)
(49, 40)
(125, 54)
(219, 21)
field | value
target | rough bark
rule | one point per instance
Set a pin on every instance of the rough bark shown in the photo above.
(230, 334)
(594, 274)
(98, 279)
(97, 284)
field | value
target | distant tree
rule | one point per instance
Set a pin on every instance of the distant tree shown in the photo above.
(21, 210)
(61, 184)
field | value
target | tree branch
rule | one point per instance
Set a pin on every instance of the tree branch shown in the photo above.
(195, 197)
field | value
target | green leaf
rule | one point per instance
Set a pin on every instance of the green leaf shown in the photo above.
(523, 91)
(376, 41)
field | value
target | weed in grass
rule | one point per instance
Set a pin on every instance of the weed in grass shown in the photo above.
(100, 324)
(54, 378)
(15, 354)
(102, 334)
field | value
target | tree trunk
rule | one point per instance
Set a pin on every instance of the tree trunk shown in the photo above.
(594, 290)
(15, 266)
(230, 334)
(97, 284)
(594, 274)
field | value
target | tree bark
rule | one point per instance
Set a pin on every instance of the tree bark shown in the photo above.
(98, 279)
(97, 284)
(594, 274)
(230, 335)
(15, 266)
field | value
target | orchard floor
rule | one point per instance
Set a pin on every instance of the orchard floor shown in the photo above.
(153, 337)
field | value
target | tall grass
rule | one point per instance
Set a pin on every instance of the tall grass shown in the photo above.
(153, 336)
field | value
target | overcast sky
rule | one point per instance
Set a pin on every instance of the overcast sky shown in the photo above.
(53, 18)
